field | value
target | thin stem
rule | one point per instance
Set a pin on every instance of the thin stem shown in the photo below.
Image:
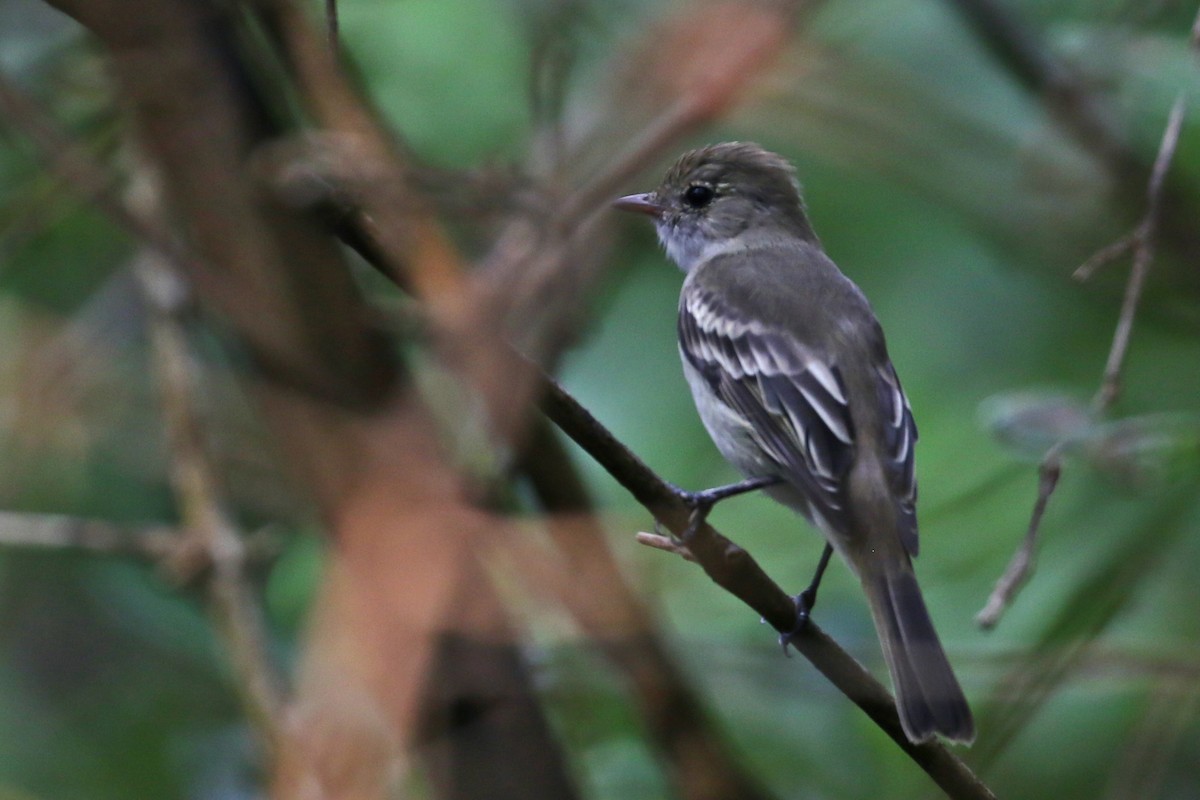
(161, 544)
(208, 523)
(1143, 257)
(59, 530)
(1021, 564)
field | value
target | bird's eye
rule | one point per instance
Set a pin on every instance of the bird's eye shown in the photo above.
(698, 195)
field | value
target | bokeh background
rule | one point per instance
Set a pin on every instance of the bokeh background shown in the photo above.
(942, 174)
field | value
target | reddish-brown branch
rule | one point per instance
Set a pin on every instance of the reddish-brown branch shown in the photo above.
(367, 456)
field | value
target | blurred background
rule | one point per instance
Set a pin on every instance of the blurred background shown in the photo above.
(960, 160)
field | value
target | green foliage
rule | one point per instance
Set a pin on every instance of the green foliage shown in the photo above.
(416, 56)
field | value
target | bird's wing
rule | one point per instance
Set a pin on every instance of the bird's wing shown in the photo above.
(899, 438)
(796, 402)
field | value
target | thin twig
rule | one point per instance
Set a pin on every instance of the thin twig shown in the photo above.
(1021, 565)
(62, 531)
(1141, 242)
(737, 572)
(160, 544)
(1103, 257)
(668, 544)
(207, 520)
(1072, 628)
(1143, 256)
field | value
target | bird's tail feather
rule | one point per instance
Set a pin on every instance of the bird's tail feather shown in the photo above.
(928, 696)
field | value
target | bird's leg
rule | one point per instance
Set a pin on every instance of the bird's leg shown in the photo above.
(807, 600)
(701, 503)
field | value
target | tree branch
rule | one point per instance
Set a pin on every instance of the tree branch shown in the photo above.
(1021, 565)
(399, 235)
(736, 571)
(610, 611)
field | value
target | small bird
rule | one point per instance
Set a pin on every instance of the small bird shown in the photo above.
(791, 375)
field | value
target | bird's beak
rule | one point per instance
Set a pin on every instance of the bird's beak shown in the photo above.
(641, 203)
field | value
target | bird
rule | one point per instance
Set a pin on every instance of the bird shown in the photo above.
(790, 373)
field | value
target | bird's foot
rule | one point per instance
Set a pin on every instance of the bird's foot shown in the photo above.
(701, 503)
(805, 602)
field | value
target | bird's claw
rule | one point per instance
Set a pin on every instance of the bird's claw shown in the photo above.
(804, 603)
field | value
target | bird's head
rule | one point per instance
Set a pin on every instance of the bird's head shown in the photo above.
(713, 195)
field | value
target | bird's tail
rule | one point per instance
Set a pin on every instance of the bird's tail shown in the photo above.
(928, 696)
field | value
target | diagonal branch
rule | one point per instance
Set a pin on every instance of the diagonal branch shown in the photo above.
(736, 571)
(394, 229)
(610, 611)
